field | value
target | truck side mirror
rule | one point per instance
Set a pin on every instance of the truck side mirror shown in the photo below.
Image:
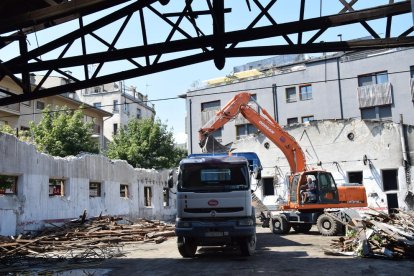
(171, 179)
(257, 173)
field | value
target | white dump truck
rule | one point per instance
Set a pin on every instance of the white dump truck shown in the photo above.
(214, 204)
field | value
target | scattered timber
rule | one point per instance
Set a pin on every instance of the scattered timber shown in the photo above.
(95, 237)
(378, 235)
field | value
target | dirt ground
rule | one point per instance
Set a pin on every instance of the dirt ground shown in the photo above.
(292, 254)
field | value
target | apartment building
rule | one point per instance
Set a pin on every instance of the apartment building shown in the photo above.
(369, 85)
(19, 115)
(123, 102)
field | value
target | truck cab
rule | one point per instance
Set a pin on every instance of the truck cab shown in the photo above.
(214, 204)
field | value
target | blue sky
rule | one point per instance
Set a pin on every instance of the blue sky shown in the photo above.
(170, 84)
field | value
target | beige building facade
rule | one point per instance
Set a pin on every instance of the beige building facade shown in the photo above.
(18, 116)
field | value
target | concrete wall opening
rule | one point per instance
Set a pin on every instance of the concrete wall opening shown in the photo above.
(124, 191)
(147, 196)
(355, 177)
(166, 197)
(57, 187)
(267, 184)
(8, 185)
(95, 189)
(390, 180)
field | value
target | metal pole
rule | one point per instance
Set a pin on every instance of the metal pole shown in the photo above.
(274, 90)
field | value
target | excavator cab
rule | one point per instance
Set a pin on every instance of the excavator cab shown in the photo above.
(321, 190)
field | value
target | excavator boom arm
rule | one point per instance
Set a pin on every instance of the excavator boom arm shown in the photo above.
(265, 123)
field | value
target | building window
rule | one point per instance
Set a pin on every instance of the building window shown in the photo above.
(306, 119)
(115, 107)
(126, 108)
(208, 111)
(355, 177)
(94, 189)
(166, 196)
(374, 78)
(97, 89)
(374, 90)
(139, 113)
(115, 129)
(97, 105)
(305, 92)
(377, 113)
(40, 105)
(147, 197)
(267, 184)
(293, 120)
(245, 130)
(56, 187)
(291, 94)
(412, 72)
(8, 185)
(123, 190)
(390, 180)
(218, 134)
(96, 129)
(210, 106)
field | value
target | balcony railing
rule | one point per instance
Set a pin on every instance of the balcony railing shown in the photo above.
(375, 95)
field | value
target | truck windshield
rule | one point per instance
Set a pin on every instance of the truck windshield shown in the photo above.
(202, 178)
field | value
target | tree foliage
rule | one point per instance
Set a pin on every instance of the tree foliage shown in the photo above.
(146, 143)
(7, 129)
(63, 132)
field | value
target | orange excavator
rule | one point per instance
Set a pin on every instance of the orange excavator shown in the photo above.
(314, 198)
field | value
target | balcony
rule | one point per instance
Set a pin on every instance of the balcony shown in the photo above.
(375, 95)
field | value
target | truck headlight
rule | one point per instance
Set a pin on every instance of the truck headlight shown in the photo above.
(245, 222)
(183, 224)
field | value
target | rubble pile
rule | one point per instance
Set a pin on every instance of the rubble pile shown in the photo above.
(85, 235)
(378, 235)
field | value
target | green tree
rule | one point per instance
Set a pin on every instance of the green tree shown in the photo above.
(63, 132)
(7, 129)
(146, 143)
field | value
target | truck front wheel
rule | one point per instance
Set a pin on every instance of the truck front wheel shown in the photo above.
(187, 247)
(248, 245)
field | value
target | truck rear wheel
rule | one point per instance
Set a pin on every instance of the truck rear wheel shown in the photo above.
(302, 227)
(248, 245)
(279, 225)
(327, 225)
(187, 247)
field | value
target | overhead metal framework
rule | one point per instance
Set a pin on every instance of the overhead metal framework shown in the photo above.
(167, 35)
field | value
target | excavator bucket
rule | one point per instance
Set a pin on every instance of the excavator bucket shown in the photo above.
(211, 145)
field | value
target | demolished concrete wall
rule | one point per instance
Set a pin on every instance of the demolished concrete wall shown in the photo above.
(32, 207)
(341, 146)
